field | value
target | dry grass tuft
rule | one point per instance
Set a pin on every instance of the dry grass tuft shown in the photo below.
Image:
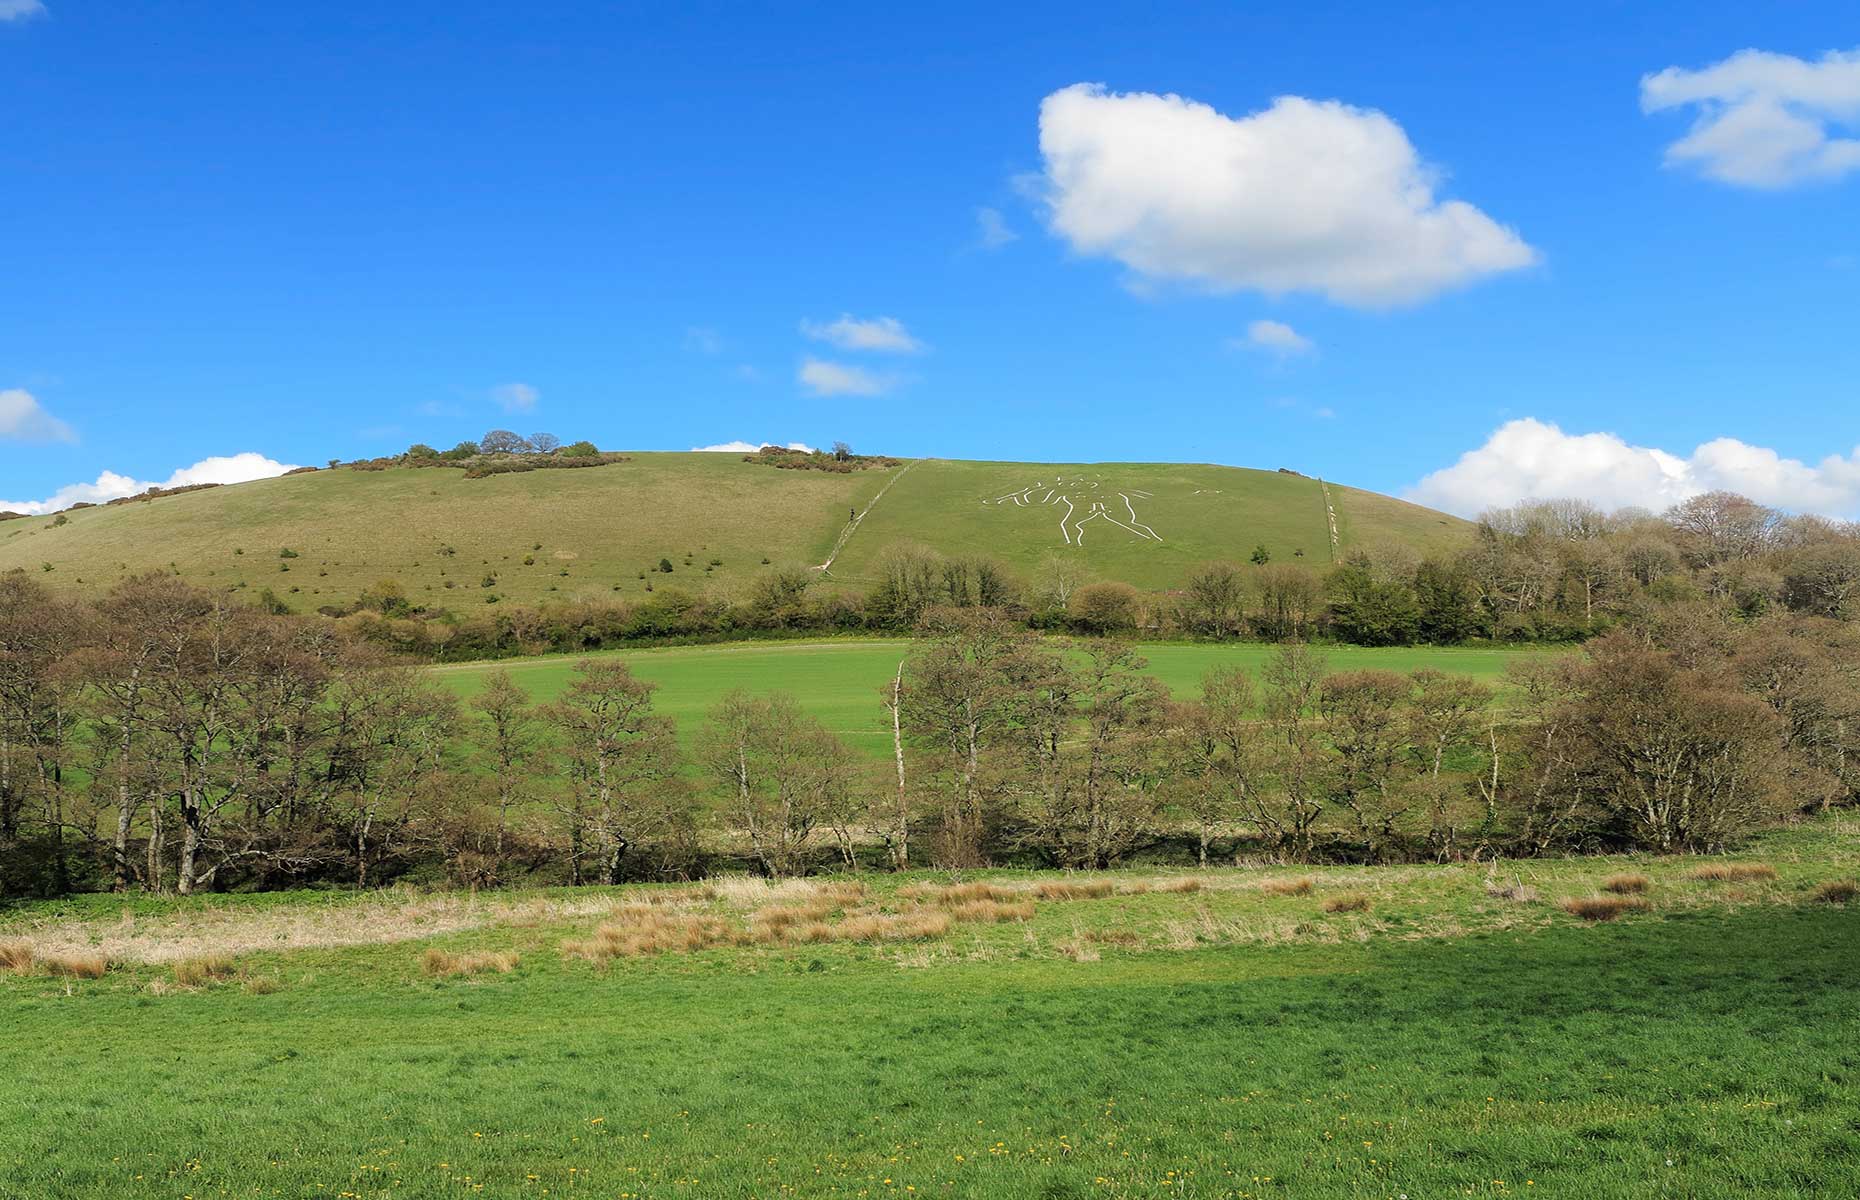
(1116, 937)
(438, 962)
(16, 956)
(1732, 872)
(1289, 887)
(906, 927)
(749, 891)
(1182, 887)
(1837, 891)
(75, 966)
(1079, 947)
(1055, 889)
(260, 985)
(638, 929)
(778, 917)
(1602, 908)
(193, 972)
(992, 912)
(961, 893)
(1626, 885)
(1347, 902)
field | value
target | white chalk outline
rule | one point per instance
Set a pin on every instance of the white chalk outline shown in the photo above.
(1072, 525)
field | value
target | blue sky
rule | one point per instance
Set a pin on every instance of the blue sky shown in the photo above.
(302, 232)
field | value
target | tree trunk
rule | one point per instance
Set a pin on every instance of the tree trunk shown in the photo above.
(901, 853)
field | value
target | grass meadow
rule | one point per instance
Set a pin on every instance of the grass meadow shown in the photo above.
(1243, 1032)
(840, 682)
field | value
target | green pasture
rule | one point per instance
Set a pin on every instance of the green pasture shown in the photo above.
(1443, 1041)
(841, 682)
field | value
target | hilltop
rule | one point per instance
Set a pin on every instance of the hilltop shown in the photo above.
(319, 538)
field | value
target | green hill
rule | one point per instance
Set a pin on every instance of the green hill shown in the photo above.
(716, 519)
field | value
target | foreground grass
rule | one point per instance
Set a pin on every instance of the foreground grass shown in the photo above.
(840, 681)
(1237, 1040)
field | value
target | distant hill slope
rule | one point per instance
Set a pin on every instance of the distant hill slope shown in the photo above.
(592, 532)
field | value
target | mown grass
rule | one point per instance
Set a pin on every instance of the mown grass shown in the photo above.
(1151, 1041)
(839, 681)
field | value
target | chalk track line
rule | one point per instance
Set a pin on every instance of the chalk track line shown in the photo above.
(852, 526)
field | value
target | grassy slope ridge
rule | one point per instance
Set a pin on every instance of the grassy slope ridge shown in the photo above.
(599, 527)
(1227, 1043)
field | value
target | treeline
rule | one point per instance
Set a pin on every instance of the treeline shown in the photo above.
(1544, 572)
(162, 738)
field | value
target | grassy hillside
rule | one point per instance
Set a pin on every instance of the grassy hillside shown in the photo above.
(1144, 523)
(715, 518)
(1373, 1032)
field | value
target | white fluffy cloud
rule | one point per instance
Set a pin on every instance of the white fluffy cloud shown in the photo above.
(750, 447)
(1765, 120)
(233, 468)
(824, 378)
(883, 334)
(515, 397)
(19, 10)
(1275, 337)
(1306, 196)
(1529, 459)
(23, 418)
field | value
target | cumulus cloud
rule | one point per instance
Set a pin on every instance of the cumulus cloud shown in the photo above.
(1532, 460)
(885, 335)
(991, 229)
(24, 419)
(19, 10)
(750, 447)
(232, 468)
(824, 378)
(516, 397)
(1275, 337)
(1306, 196)
(1764, 120)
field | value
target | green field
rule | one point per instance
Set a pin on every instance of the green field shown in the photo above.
(590, 533)
(839, 682)
(1232, 1042)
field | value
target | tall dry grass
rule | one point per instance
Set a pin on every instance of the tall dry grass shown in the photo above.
(991, 912)
(1837, 891)
(208, 968)
(1626, 884)
(1732, 872)
(1602, 908)
(1065, 889)
(74, 965)
(1288, 887)
(16, 957)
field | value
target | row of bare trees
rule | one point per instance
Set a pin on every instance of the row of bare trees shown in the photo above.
(167, 739)
(1684, 733)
